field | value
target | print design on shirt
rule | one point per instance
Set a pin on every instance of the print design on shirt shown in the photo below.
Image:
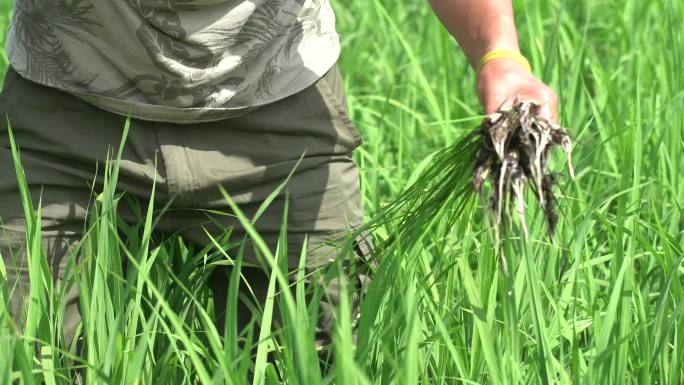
(164, 38)
(263, 28)
(162, 35)
(40, 26)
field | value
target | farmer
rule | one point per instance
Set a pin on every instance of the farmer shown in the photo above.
(228, 93)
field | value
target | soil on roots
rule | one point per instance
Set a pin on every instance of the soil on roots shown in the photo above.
(513, 154)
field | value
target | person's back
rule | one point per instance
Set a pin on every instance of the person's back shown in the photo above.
(220, 92)
(174, 60)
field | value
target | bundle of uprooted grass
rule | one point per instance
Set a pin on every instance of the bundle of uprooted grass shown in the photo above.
(511, 149)
(515, 149)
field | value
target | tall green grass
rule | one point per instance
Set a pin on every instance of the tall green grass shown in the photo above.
(601, 303)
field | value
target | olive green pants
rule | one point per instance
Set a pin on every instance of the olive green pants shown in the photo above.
(63, 140)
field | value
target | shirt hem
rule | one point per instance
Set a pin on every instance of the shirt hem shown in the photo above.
(165, 114)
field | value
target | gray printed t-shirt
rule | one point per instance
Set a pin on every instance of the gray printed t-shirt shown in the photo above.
(176, 61)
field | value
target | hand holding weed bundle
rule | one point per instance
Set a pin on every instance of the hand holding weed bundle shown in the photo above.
(514, 150)
(502, 84)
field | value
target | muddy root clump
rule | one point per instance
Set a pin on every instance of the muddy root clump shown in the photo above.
(514, 153)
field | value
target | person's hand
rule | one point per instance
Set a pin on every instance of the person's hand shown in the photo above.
(504, 83)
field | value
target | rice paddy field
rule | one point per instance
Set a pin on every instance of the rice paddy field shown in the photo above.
(602, 302)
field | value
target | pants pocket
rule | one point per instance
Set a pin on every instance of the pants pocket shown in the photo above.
(332, 88)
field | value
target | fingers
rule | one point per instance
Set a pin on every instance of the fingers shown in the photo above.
(545, 98)
(498, 99)
(549, 107)
(501, 86)
(507, 104)
(548, 104)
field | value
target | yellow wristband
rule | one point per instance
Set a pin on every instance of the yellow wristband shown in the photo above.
(502, 54)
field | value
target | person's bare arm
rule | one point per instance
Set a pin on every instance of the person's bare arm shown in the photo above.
(481, 26)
